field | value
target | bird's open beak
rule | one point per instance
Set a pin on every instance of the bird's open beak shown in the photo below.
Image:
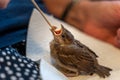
(56, 31)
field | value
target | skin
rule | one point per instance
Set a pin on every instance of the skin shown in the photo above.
(99, 19)
(4, 3)
(118, 38)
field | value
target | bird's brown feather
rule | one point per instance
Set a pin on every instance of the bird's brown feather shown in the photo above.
(69, 56)
(86, 48)
(74, 56)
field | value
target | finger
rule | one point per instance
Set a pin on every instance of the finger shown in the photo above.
(4, 3)
(118, 35)
(117, 39)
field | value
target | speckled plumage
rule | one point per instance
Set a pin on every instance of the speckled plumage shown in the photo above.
(74, 58)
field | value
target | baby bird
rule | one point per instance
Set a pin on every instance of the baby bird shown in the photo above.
(72, 57)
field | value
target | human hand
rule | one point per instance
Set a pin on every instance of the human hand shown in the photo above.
(4, 3)
(118, 38)
(100, 19)
(56, 7)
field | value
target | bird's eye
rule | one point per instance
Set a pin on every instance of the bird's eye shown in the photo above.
(63, 36)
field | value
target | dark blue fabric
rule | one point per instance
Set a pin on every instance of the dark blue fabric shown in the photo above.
(14, 21)
(13, 66)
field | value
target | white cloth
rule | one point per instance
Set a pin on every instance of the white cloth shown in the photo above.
(39, 37)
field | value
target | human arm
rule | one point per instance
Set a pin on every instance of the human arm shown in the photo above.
(100, 19)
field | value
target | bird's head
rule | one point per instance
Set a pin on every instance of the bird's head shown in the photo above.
(62, 36)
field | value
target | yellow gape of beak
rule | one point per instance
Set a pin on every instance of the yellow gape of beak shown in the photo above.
(56, 31)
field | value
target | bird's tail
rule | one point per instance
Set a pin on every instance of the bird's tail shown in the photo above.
(103, 71)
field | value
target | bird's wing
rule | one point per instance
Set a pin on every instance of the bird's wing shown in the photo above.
(86, 48)
(75, 56)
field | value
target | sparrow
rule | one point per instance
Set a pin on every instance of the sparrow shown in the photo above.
(72, 57)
